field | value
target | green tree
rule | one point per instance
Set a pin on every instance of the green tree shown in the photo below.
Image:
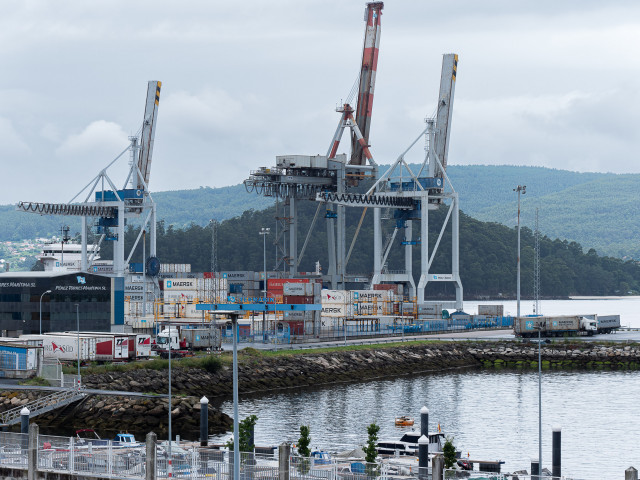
(245, 437)
(304, 441)
(449, 451)
(370, 450)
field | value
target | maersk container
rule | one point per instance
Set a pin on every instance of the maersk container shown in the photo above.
(297, 289)
(370, 295)
(608, 323)
(336, 310)
(556, 325)
(201, 338)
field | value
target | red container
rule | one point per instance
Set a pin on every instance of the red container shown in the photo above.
(296, 327)
(387, 286)
(298, 299)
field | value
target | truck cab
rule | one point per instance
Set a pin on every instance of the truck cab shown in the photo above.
(168, 338)
(589, 324)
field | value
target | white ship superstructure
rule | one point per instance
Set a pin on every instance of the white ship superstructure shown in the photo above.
(66, 257)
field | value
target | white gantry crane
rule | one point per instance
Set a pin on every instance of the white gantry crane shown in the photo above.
(410, 196)
(110, 207)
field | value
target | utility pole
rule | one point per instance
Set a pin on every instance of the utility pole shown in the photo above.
(520, 189)
(536, 268)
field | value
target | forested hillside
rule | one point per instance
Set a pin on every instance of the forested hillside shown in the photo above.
(488, 255)
(597, 210)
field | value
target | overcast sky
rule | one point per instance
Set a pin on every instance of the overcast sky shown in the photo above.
(550, 83)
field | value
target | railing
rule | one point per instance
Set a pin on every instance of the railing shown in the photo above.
(41, 405)
(313, 468)
(471, 475)
(13, 450)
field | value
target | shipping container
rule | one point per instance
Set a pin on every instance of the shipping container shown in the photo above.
(297, 300)
(433, 309)
(336, 310)
(296, 327)
(297, 289)
(394, 287)
(276, 285)
(492, 310)
(109, 346)
(370, 295)
(333, 296)
(65, 347)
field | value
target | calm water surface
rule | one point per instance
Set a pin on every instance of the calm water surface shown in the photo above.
(491, 415)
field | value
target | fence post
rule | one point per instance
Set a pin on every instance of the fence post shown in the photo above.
(284, 452)
(631, 474)
(204, 421)
(150, 464)
(32, 453)
(71, 455)
(437, 469)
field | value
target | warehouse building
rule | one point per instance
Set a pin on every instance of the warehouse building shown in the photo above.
(59, 298)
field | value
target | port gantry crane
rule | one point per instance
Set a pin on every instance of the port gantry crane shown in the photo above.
(112, 207)
(302, 177)
(411, 196)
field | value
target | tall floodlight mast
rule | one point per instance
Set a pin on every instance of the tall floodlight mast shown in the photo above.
(112, 207)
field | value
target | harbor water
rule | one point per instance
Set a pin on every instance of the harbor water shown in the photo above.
(491, 414)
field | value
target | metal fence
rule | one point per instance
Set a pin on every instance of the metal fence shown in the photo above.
(470, 475)
(301, 468)
(200, 464)
(101, 458)
(13, 450)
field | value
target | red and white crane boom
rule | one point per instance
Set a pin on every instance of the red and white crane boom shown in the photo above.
(373, 14)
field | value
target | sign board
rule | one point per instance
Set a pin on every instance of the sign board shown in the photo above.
(180, 284)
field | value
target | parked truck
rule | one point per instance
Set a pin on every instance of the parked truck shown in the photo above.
(182, 340)
(555, 326)
(606, 323)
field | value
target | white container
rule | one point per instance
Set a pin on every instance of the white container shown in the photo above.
(336, 310)
(180, 284)
(371, 295)
(333, 296)
(143, 346)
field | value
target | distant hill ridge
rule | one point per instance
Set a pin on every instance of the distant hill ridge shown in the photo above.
(597, 210)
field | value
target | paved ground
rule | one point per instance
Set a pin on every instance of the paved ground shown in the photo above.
(488, 335)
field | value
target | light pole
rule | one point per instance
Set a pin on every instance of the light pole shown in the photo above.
(78, 321)
(520, 189)
(539, 328)
(169, 464)
(264, 232)
(43, 294)
(236, 427)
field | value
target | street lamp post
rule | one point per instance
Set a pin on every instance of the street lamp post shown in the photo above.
(520, 189)
(540, 400)
(264, 232)
(43, 294)
(539, 328)
(78, 321)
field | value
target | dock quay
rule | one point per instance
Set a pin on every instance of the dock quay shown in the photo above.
(34, 456)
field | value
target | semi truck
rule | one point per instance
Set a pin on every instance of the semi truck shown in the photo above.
(555, 326)
(606, 323)
(182, 340)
